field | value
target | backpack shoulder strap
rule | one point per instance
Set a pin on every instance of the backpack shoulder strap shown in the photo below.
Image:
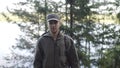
(67, 46)
(66, 42)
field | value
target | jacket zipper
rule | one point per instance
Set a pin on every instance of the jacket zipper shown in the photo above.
(54, 53)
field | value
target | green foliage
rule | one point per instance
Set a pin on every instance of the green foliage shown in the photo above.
(118, 16)
(81, 9)
(111, 58)
(99, 36)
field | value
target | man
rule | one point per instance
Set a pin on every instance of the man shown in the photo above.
(54, 49)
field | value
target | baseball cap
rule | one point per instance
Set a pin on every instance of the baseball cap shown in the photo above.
(53, 17)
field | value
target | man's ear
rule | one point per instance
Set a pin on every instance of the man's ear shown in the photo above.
(60, 23)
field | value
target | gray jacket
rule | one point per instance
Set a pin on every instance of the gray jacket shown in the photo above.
(55, 54)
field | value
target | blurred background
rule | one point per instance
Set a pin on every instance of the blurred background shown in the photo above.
(93, 24)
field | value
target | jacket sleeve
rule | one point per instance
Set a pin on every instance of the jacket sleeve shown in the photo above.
(73, 56)
(38, 56)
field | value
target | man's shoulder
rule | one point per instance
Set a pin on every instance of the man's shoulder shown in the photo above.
(45, 34)
(67, 37)
(42, 36)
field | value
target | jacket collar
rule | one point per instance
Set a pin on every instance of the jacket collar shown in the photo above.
(48, 34)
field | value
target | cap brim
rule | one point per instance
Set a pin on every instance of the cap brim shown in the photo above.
(52, 19)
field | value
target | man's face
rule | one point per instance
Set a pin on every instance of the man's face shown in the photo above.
(54, 26)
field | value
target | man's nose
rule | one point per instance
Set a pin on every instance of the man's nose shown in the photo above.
(53, 25)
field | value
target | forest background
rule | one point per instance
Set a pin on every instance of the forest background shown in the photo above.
(93, 24)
